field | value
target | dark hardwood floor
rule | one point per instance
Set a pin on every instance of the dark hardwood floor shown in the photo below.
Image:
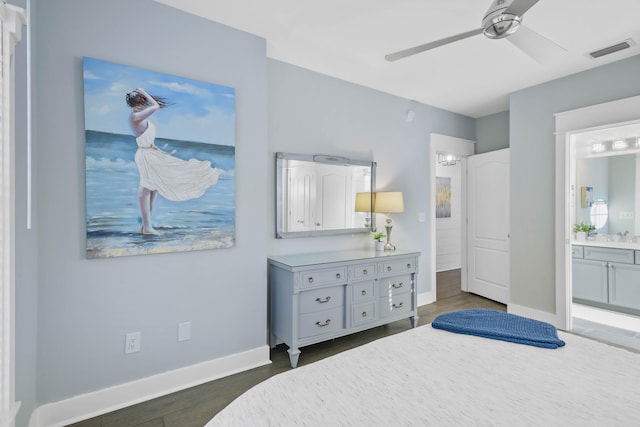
(195, 406)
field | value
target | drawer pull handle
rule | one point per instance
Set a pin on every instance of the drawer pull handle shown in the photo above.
(388, 268)
(398, 286)
(322, 325)
(322, 301)
(338, 275)
(365, 272)
(364, 314)
(310, 280)
(397, 305)
(363, 292)
(408, 265)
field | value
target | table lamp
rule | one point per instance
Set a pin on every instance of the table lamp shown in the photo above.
(388, 202)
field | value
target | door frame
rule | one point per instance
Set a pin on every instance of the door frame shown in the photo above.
(567, 124)
(459, 147)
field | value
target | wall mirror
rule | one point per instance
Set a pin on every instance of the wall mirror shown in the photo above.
(608, 179)
(316, 195)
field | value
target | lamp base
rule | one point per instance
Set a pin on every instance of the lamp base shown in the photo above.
(388, 247)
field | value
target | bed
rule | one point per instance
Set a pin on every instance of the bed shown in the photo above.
(433, 377)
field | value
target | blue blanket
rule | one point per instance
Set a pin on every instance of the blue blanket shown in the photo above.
(500, 326)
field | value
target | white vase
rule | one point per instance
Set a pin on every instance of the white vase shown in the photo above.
(581, 235)
(379, 246)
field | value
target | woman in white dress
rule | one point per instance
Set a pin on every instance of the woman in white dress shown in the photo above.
(160, 172)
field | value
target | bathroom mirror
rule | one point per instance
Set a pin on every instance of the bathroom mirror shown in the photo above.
(316, 195)
(608, 179)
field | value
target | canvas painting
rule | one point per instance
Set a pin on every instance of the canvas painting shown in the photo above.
(159, 162)
(443, 197)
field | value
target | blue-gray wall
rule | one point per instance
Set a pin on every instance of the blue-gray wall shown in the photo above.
(532, 142)
(492, 132)
(73, 313)
(312, 113)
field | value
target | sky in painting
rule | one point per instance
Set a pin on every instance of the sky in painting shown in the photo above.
(200, 111)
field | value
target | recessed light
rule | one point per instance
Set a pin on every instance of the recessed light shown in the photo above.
(598, 147)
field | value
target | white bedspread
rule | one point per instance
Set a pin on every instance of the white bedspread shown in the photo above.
(429, 377)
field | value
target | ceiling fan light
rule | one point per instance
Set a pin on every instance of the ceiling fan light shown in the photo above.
(501, 26)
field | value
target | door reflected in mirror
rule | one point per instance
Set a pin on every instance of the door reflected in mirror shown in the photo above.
(317, 195)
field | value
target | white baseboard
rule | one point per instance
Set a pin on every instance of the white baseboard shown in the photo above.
(532, 313)
(426, 298)
(100, 402)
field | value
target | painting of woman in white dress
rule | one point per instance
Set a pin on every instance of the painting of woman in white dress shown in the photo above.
(160, 162)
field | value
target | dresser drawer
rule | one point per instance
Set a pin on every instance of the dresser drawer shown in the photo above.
(395, 305)
(394, 285)
(321, 299)
(321, 277)
(596, 253)
(321, 322)
(394, 268)
(363, 313)
(363, 271)
(362, 291)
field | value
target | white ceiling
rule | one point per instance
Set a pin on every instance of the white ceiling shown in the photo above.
(348, 39)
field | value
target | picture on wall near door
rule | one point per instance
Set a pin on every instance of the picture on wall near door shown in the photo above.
(586, 199)
(443, 197)
(159, 162)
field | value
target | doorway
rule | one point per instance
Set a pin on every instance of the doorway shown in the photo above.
(568, 125)
(443, 144)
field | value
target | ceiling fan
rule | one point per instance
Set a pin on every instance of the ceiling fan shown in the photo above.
(502, 20)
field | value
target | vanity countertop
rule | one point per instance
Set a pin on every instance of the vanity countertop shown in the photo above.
(607, 244)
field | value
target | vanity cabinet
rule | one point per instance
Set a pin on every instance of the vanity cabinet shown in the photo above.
(320, 296)
(607, 278)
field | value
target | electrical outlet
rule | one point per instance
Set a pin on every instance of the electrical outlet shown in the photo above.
(132, 343)
(184, 331)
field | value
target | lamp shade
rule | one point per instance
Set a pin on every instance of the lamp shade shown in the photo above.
(389, 202)
(363, 202)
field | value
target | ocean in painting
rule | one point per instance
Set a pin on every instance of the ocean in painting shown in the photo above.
(113, 215)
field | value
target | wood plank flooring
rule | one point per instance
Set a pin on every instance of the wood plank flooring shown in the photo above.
(195, 406)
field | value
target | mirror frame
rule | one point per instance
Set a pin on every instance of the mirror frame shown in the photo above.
(325, 159)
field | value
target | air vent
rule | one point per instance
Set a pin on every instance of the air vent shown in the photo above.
(612, 49)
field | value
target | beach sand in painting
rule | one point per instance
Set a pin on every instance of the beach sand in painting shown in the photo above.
(106, 245)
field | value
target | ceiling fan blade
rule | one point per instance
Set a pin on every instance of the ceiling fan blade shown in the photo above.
(417, 49)
(540, 48)
(519, 7)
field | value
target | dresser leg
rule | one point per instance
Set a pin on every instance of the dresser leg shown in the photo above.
(294, 354)
(414, 321)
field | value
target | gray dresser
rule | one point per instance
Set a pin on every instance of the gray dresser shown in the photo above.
(319, 296)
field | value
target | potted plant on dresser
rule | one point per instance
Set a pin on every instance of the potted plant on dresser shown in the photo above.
(377, 238)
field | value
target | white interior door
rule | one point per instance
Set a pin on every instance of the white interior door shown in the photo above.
(488, 225)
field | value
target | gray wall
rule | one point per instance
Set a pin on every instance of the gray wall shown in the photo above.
(85, 307)
(532, 143)
(492, 132)
(311, 113)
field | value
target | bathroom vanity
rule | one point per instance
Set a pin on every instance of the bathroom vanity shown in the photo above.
(606, 274)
